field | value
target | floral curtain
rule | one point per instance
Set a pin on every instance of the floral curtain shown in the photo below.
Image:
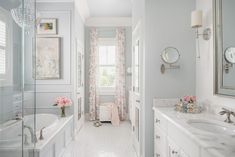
(93, 75)
(120, 94)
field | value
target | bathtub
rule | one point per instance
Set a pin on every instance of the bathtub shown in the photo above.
(56, 131)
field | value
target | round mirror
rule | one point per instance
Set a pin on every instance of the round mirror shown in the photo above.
(170, 55)
(229, 55)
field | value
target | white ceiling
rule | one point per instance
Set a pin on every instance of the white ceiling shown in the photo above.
(54, 1)
(109, 8)
(101, 8)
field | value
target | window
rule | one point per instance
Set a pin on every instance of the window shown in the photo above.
(5, 48)
(2, 49)
(107, 69)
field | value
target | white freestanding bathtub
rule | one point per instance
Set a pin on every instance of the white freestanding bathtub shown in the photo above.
(57, 133)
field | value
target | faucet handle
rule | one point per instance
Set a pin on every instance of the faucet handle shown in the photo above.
(228, 113)
(225, 111)
(233, 113)
(26, 142)
(222, 112)
(41, 134)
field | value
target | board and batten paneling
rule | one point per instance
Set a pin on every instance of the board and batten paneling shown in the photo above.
(48, 90)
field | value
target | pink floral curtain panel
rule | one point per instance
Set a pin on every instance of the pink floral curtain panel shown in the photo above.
(120, 94)
(93, 75)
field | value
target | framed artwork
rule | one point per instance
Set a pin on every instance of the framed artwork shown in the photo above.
(48, 58)
(47, 27)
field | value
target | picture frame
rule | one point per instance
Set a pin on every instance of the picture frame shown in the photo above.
(48, 58)
(47, 26)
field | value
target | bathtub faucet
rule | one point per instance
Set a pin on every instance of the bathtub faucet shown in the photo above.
(33, 136)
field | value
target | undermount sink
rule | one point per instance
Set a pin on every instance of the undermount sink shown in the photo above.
(212, 126)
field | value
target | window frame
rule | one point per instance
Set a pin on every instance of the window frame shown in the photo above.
(6, 79)
(106, 42)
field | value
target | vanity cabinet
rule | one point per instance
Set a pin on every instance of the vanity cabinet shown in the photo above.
(170, 141)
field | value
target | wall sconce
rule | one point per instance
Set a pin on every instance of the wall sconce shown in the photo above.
(196, 22)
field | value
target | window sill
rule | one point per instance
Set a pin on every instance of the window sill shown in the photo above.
(106, 91)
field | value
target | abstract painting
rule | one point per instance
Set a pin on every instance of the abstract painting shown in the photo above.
(48, 58)
(47, 26)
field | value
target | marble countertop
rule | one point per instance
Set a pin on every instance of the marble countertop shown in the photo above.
(217, 145)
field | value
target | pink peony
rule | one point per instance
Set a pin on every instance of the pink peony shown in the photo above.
(194, 98)
(63, 102)
(189, 99)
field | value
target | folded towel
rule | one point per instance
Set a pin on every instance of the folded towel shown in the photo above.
(115, 116)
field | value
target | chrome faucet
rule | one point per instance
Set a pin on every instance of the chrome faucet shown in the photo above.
(26, 142)
(41, 134)
(33, 136)
(228, 114)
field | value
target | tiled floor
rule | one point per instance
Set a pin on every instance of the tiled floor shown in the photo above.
(104, 141)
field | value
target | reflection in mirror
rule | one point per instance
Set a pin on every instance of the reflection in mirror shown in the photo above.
(170, 55)
(224, 25)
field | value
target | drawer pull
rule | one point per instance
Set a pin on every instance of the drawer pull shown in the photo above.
(157, 155)
(157, 136)
(157, 120)
(174, 152)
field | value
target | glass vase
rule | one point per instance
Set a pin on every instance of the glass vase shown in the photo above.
(63, 112)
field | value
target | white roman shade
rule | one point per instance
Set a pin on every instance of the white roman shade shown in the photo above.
(2, 48)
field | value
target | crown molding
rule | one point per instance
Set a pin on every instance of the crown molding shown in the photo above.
(108, 22)
(83, 9)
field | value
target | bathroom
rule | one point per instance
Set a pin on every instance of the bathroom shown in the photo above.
(117, 78)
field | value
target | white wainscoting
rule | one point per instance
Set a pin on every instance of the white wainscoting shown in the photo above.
(48, 90)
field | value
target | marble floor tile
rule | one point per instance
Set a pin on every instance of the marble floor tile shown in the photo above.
(104, 141)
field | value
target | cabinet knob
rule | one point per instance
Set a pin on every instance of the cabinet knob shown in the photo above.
(157, 155)
(157, 120)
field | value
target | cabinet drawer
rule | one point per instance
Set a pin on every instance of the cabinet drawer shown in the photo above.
(160, 121)
(160, 142)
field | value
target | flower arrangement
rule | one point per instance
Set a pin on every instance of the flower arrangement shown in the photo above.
(188, 105)
(63, 102)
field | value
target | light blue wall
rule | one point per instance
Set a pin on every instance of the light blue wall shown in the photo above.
(167, 24)
(70, 26)
(164, 23)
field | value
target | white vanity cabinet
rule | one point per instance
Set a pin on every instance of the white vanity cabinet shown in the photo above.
(169, 141)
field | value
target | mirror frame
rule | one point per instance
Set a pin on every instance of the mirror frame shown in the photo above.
(225, 57)
(164, 51)
(219, 89)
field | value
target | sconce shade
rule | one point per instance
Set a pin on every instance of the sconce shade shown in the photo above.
(196, 19)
